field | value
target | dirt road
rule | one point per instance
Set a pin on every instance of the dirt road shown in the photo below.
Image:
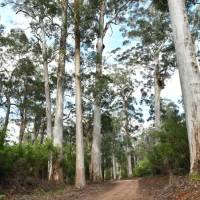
(136, 189)
(124, 190)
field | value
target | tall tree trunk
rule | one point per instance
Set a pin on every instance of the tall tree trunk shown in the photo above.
(23, 113)
(103, 168)
(36, 128)
(57, 174)
(47, 96)
(189, 78)
(114, 167)
(197, 51)
(8, 106)
(129, 164)
(46, 84)
(157, 92)
(22, 124)
(127, 137)
(118, 170)
(42, 132)
(96, 170)
(197, 42)
(80, 167)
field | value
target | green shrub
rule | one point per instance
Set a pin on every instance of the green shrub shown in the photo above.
(25, 160)
(169, 151)
(143, 168)
(69, 162)
(2, 137)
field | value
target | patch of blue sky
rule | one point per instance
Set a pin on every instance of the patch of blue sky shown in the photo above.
(113, 40)
(10, 19)
(6, 15)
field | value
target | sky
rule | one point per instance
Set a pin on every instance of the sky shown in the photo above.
(112, 41)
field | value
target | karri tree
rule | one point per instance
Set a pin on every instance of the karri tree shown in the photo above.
(189, 77)
(80, 165)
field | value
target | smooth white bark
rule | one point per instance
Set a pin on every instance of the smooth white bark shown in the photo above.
(129, 164)
(189, 78)
(80, 166)
(114, 172)
(46, 85)
(157, 92)
(95, 167)
(118, 170)
(58, 124)
(57, 174)
(96, 170)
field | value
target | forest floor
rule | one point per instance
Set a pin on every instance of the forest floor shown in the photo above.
(152, 188)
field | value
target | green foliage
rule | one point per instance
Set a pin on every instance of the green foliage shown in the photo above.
(25, 160)
(170, 152)
(2, 137)
(143, 168)
(161, 5)
(194, 177)
(107, 148)
(69, 162)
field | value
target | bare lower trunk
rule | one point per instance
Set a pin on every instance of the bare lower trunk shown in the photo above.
(47, 97)
(129, 164)
(189, 77)
(118, 171)
(58, 125)
(80, 167)
(127, 137)
(114, 167)
(95, 170)
(50, 165)
(46, 85)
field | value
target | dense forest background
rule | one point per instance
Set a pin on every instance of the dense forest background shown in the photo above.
(82, 115)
